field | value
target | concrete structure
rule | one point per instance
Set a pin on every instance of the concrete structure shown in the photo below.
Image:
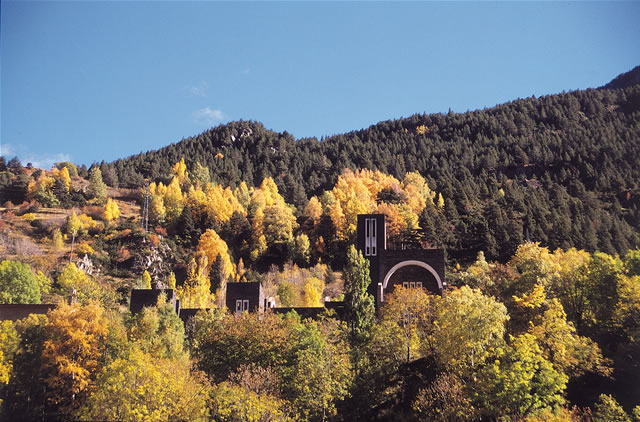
(15, 312)
(245, 297)
(414, 268)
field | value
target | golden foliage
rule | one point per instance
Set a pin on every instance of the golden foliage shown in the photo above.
(145, 388)
(29, 217)
(313, 209)
(111, 210)
(56, 239)
(62, 175)
(180, 171)
(71, 353)
(196, 290)
(211, 245)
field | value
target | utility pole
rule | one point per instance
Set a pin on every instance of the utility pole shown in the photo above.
(145, 211)
(73, 241)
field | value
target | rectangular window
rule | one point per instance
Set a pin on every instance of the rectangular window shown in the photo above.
(367, 238)
(405, 284)
(370, 238)
(412, 285)
(242, 305)
(419, 284)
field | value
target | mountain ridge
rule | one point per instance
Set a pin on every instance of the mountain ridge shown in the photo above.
(624, 80)
(559, 167)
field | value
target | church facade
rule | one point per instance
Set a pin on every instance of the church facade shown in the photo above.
(388, 268)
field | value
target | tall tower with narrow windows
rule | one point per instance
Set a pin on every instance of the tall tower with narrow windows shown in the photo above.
(371, 240)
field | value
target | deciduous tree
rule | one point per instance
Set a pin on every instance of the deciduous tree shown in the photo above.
(234, 403)
(18, 284)
(111, 210)
(196, 290)
(75, 281)
(608, 409)
(469, 325)
(9, 341)
(158, 331)
(359, 303)
(520, 381)
(320, 376)
(71, 353)
(411, 310)
(144, 387)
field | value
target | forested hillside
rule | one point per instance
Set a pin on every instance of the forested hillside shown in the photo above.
(560, 169)
(539, 330)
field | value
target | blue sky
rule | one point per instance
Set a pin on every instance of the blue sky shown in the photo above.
(93, 81)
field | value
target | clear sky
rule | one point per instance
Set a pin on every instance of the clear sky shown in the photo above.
(93, 81)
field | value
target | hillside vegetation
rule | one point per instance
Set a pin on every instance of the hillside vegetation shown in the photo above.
(560, 169)
(535, 202)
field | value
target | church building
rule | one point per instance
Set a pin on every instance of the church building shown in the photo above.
(412, 268)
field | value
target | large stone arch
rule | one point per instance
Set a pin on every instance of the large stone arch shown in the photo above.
(407, 263)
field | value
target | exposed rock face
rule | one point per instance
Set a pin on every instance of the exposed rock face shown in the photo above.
(85, 264)
(156, 260)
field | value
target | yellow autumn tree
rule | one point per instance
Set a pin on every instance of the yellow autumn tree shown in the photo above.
(41, 190)
(146, 388)
(418, 192)
(270, 191)
(72, 279)
(571, 282)
(243, 195)
(9, 341)
(76, 336)
(196, 199)
(535, 265)
(215, 204)
(157, 210)
(313, 209)
(569, 352)
(356, 195)
(259, 241)
(279, 223)
(146, 280)
(73, 224)
(56, 239)
(171, 281)
(63, 175)
(173, 200)
(196, 290)
(179, 170)
(220, 204)
(312, 292)
(211, 245)
(411, 219)
(395, 223)
(111, 211)
(339, 221)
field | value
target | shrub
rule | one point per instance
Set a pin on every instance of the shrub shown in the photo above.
(29, 217)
